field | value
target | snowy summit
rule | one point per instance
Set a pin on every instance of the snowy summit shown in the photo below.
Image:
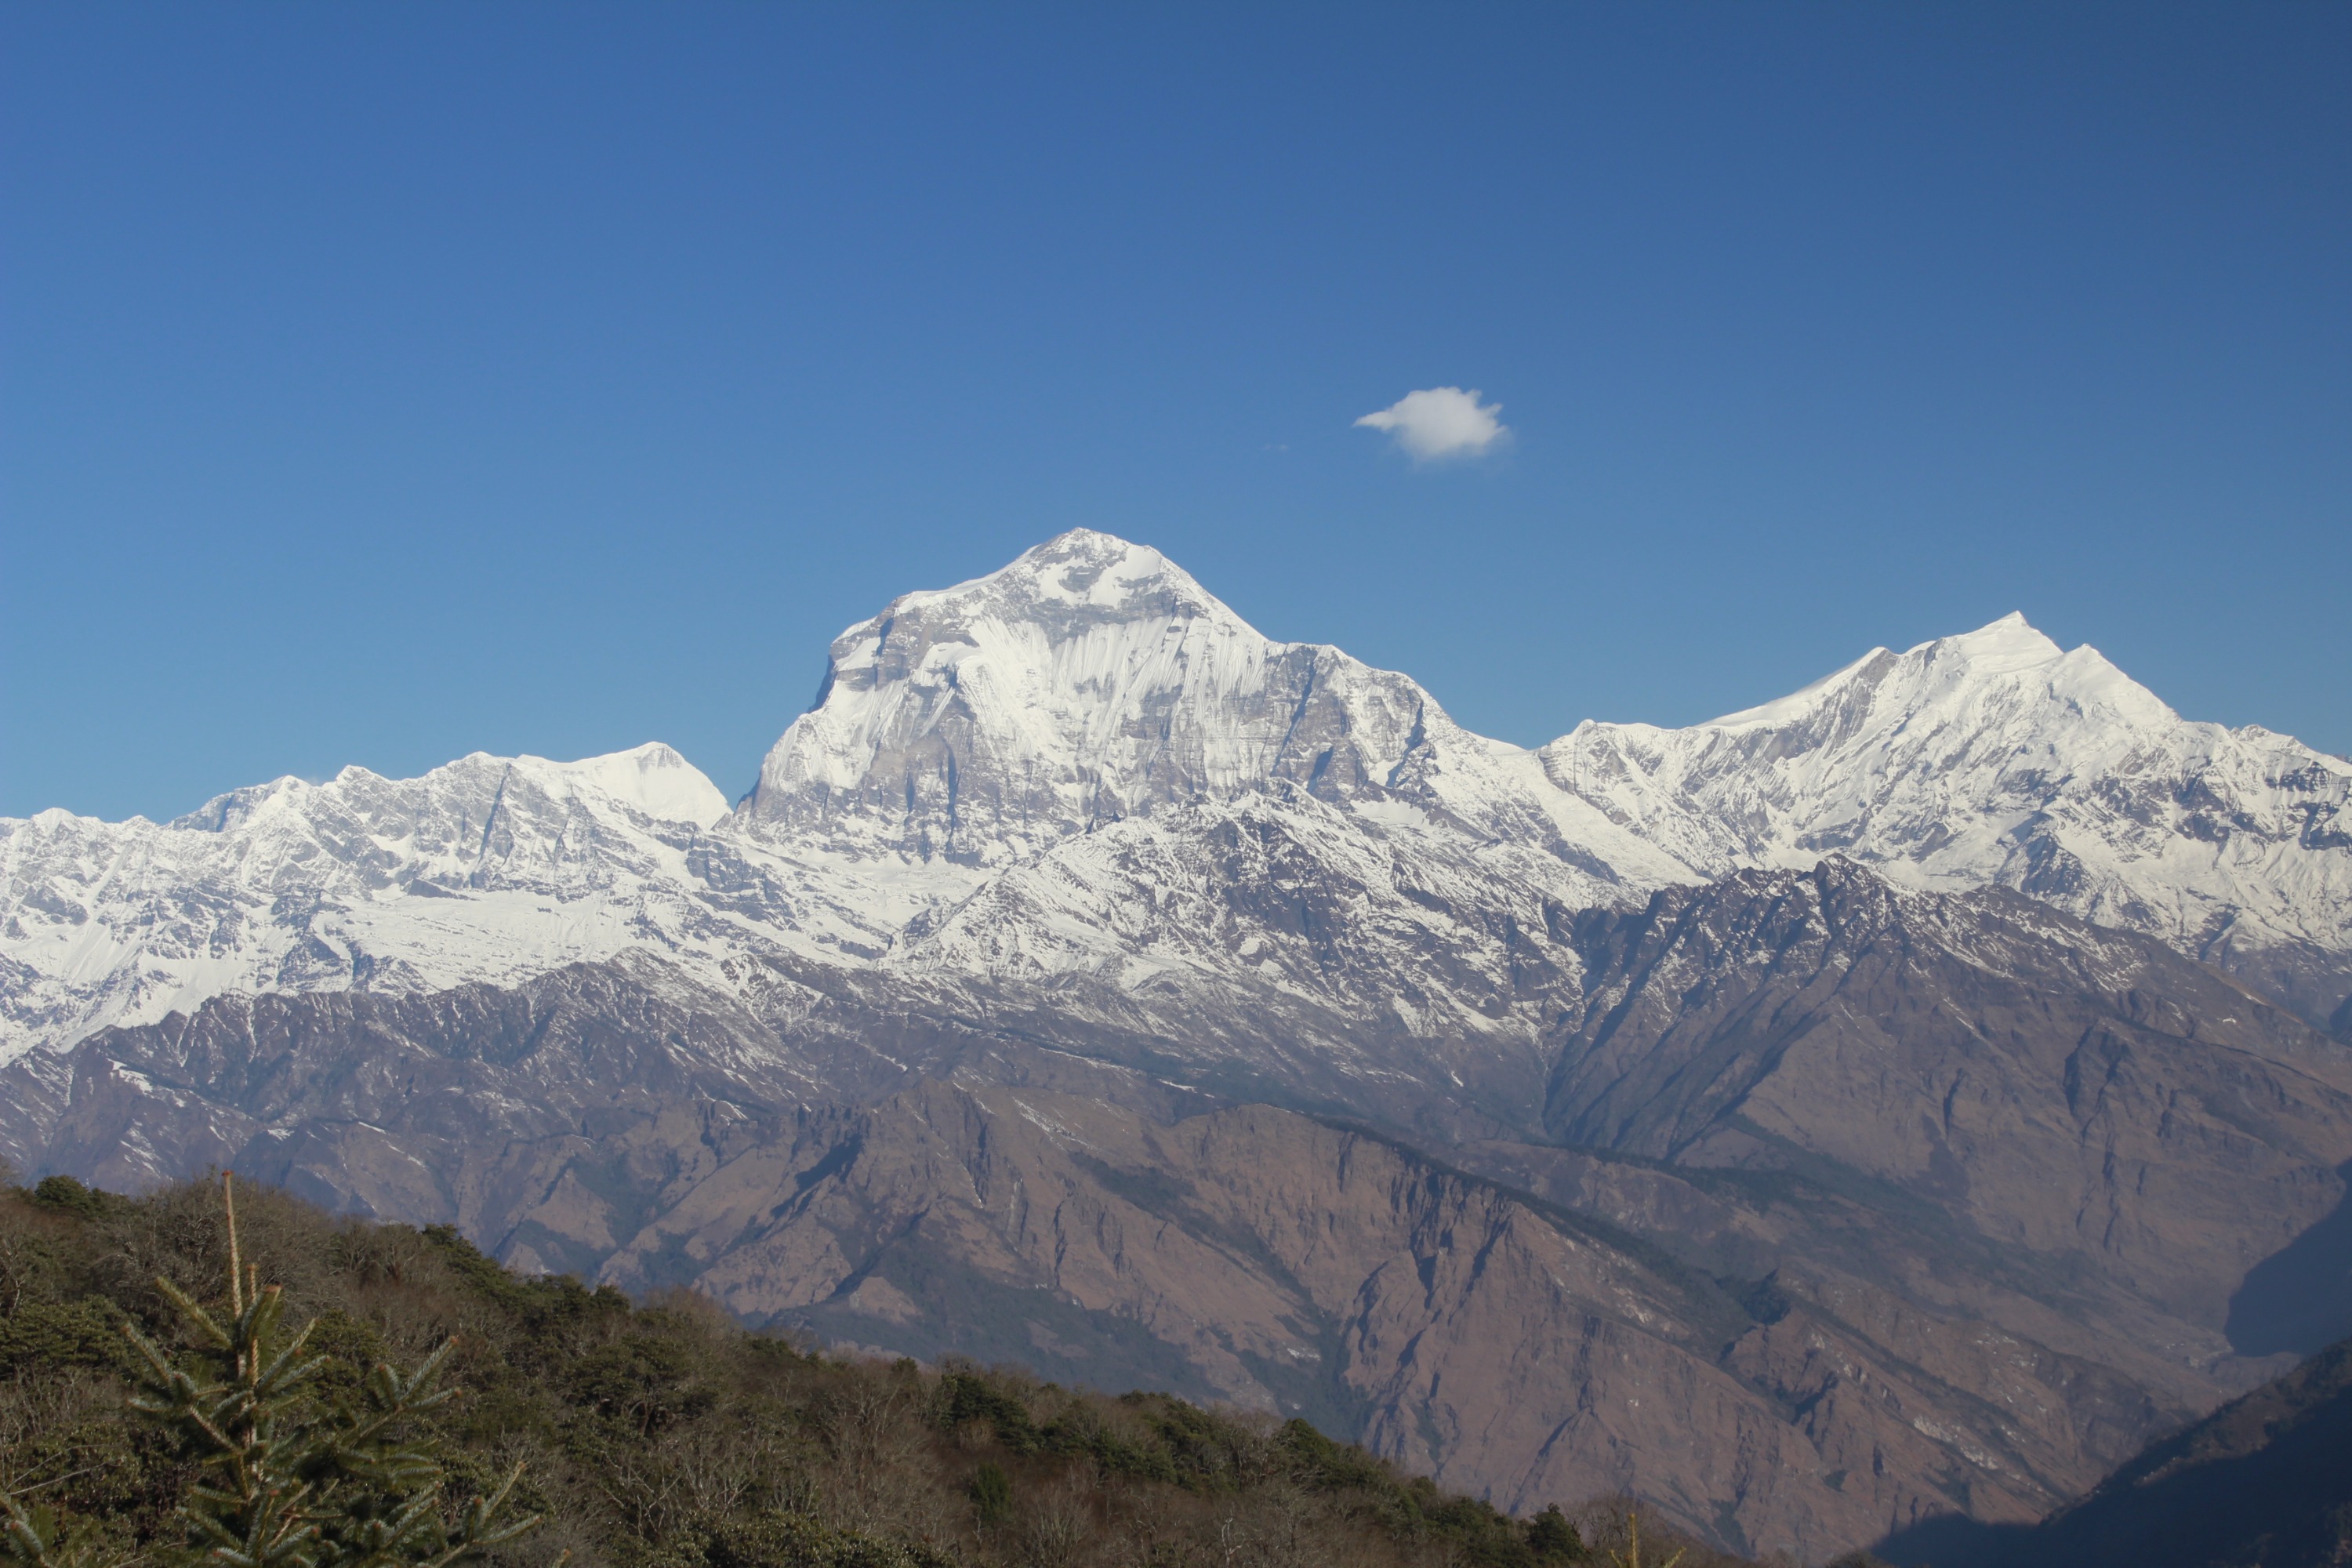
(999, 776)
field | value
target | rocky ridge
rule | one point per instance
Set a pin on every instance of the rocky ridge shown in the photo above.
(1997, 759)
(1779, 1247)
(1092, 980)
(985, 731)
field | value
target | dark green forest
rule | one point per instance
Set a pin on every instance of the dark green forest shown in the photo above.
(364, 1393)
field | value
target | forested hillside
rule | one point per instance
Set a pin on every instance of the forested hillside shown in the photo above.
(660, 1433)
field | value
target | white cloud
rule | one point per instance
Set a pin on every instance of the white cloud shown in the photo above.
(1441, 422)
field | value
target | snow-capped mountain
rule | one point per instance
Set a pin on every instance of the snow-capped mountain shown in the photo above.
(959, 1032)
(1048, 779)
(1999, 759)
(489, 868)
(1091, 680)
(1094, 681)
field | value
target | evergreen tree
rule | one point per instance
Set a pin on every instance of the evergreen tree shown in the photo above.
(1550, 1537)
(285, 1479)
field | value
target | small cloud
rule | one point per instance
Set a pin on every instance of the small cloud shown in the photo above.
(1441, 422)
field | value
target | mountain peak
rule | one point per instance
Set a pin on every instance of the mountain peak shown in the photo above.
(1090, 679)
(1084, 573)
(2005, 647)
(653, 778)
(1086, 565)
(2006, 644)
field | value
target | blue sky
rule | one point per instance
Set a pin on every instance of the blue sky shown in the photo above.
(379, 384)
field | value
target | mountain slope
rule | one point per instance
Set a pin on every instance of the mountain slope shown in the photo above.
(488, 869)
(1080, 932)
(1764, 1290)
(1114, 1230)
(978, 732)
(1294, 1265)
(2263, 1482)
(656, 1434)
(1997, 759)
(2075, 1091)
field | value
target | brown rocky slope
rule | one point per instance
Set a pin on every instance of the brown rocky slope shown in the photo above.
(1844, 1208)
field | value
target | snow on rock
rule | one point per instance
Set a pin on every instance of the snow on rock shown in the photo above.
(487, 868)
(1998, 758)
(1089, 680)
(1084, 777)
(1093, 680)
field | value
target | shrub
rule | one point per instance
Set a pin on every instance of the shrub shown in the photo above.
(284, 1481)
(659, 1434)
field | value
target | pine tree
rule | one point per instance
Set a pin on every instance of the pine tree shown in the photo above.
(31, 1536)
(1630, 1557)
(286, 1481)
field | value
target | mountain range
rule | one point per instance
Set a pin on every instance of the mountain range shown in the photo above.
(1888, 1104)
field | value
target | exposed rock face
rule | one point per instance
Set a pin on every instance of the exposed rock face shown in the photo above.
(2260, 1483)
(1274, 944)
(1058, 990)
(1801, 1280)
(1526, 1351)
(585, 1093)
(2070, 1091)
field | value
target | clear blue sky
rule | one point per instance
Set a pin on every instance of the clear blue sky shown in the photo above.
(381, 383)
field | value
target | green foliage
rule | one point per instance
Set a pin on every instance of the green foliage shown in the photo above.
(278, 1427)
(282, 1480)
(795, 1540)
(65, 1196)
(992, 1495)
(48, 1335)
(1327, 1465)
(963, 1397)
(35, 1536)
(1551, 1539)
(1481, 1532)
